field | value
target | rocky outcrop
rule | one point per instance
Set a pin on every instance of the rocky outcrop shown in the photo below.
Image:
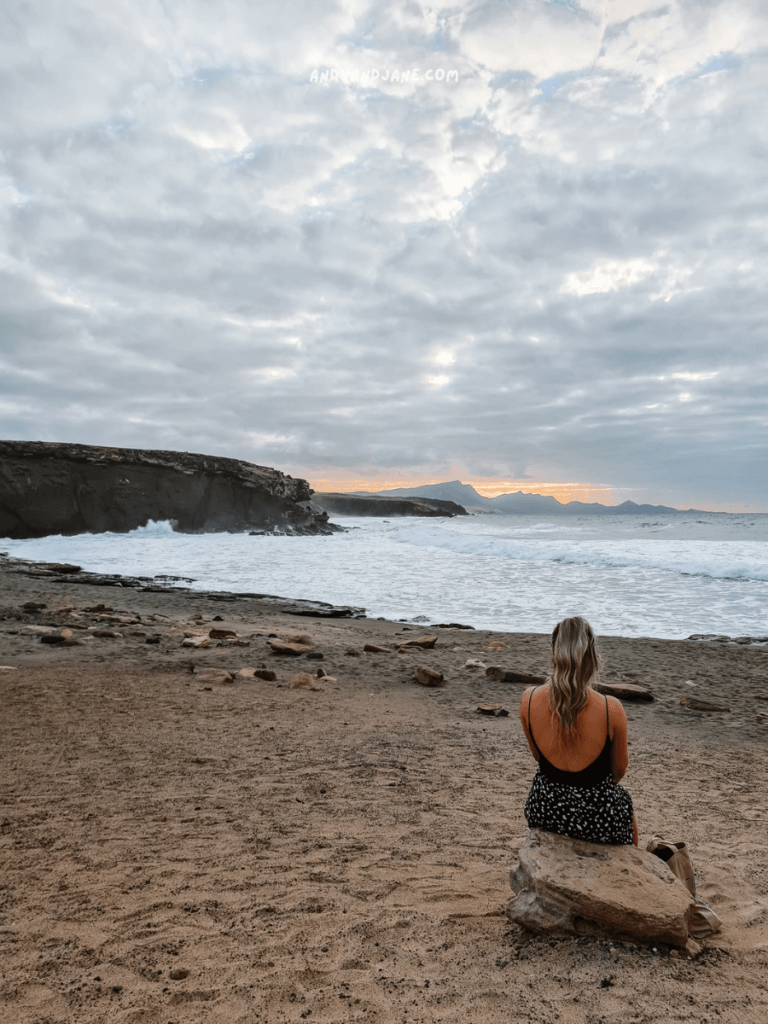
(48, 488)
(570, 887)
(365, 505)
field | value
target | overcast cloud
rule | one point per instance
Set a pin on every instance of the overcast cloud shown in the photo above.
(550, 268)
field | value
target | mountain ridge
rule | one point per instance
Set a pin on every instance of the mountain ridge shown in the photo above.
(520, 501)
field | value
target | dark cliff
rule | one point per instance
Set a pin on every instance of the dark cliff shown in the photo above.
(365, 505)
(48, 488)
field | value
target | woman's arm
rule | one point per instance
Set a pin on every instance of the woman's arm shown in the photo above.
(524, 720)
(617, 725)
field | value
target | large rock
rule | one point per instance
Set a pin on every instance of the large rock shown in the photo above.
(48, 488)
(567, 886)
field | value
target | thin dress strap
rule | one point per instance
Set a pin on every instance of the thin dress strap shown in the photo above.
(607, 721)
(530, 731)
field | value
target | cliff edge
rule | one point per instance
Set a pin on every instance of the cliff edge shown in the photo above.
(48, 488)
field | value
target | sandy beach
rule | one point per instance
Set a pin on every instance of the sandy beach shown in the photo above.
(176, 850)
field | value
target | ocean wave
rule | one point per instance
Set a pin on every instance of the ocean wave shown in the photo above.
(736, 560)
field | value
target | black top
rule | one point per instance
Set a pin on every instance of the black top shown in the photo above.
(593, 774)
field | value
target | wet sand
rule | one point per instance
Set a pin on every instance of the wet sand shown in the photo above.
(343, 854)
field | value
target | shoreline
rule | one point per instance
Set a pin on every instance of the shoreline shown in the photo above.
(181, 839)
(60, 574)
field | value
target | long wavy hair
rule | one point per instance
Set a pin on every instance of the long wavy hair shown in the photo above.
(575, 666)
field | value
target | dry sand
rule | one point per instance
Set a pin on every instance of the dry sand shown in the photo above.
(341, 855)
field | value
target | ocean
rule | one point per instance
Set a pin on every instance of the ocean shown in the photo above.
(665, 576)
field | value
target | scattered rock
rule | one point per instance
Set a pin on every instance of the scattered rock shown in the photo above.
(137, 632)
(8, 668)
(424, 642)
(66, 633)
(474, 663)
(217, 676)
(33, 606)
(321, 674)
(496, 645)
(303, 681)
(38, 629)
(352, 652)
(429, 676)
(197, 642)
(108, 634)
(265, 673)
(571, 887)
(314, 656)
(501, 675)
(65, 608)
(298, 638)
(154, 639)
(450, 625)
(375, 649)
(52, 638)
(286, 647)
(217, 618)
(219, 633)
(694, 704)
(624, 691)
(59, 567)
(179, 973)
(492, 709)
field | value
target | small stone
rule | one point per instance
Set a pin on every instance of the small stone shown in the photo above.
(154, 639)
(694, 704)
(107, 634)
(674, 954)
(496, 645)
(474, 663)
(222, 634)
(265, 673)
(52, 638)
(245, 673)
(320, 673)
(425, 642)
(351, 652)
(217, 618)
(375, 649)
(303, 681)
(488, 709)
(179, 973)
(429, 676)
(65, 608)
(501, 675)
(33, 606)
(287, 647)
(137, 632)
(66, 633)
(217, 676)
(198, 642)
(314, 656)
(624, 691)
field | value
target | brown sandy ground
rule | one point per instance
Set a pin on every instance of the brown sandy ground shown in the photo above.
(342, 855)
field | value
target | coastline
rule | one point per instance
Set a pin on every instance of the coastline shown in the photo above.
(296, 851)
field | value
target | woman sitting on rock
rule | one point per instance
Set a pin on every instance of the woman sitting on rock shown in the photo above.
(579, 738)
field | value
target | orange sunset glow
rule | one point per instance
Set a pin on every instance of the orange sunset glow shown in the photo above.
(563, 492)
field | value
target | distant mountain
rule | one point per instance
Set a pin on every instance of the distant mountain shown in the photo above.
(519, 501)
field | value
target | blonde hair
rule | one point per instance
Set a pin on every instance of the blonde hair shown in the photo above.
(575, 665)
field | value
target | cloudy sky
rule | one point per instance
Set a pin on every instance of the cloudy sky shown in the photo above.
(522, 244)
